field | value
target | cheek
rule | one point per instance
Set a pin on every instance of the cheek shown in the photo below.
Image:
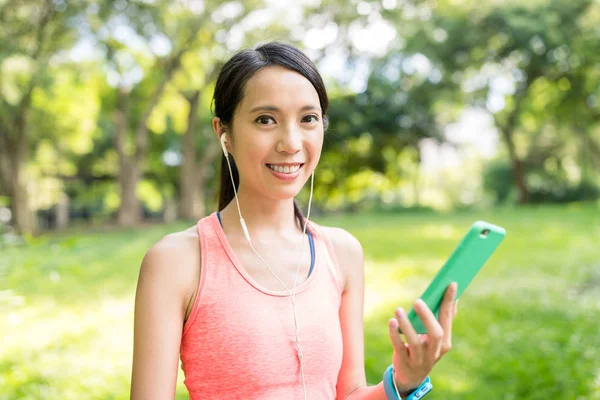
(250, 152)
(315, 148)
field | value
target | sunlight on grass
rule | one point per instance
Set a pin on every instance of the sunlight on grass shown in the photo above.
(433, 231)
(38, 327)
(401, 281)
(90, 346)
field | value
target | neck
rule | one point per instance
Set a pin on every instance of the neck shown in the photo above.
(263, 217)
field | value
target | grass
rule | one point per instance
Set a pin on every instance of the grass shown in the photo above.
(527, 326)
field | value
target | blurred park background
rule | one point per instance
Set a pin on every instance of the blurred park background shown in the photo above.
(441, 112)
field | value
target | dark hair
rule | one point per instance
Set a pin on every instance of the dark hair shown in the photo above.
(229, 92)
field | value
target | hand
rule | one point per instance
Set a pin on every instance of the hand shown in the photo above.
(414, 359)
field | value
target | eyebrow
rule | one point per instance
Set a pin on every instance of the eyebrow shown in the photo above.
(273, 108)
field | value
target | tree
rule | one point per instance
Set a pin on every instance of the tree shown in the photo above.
(498, 55)
(140, 80)
(31, 34)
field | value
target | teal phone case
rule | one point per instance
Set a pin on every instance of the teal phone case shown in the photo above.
(466, 260)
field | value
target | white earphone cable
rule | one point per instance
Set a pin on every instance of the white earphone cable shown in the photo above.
(293, 293)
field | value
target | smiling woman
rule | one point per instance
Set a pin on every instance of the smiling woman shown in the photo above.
(271, 132)
(225, 295)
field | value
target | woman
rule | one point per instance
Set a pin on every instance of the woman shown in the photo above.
(257, 314)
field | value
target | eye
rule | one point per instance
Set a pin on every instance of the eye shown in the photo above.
(316, 118)
(264, 120)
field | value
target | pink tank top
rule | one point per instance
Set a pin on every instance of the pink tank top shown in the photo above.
(238, 342)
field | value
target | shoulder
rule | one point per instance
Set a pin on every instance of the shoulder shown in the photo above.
(348, 251)
(186, 241)
(342, 240)
(172, 250)
(174, 263)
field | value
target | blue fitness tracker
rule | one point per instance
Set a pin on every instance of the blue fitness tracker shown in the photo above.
(390, 391)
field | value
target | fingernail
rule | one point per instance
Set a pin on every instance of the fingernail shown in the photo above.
(454, 287)
(400, 312)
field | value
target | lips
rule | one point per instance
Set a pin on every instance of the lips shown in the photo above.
(285, 168)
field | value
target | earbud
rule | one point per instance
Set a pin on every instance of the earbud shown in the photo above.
(223, 145)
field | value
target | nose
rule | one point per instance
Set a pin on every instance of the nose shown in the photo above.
(290, 140)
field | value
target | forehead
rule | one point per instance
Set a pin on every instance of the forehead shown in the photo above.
(280, 87)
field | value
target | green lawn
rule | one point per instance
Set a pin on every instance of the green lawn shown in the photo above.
(528, 326)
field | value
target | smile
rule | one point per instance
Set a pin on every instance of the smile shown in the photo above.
(287, 169)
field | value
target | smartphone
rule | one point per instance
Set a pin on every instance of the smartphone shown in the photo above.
(466, 260)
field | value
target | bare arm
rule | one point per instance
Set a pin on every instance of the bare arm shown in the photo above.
(415, 357)
(168, 277)
(349, 254)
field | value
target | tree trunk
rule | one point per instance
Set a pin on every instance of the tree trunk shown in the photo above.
(62, 212)
(209, 157)
(517, 167)
(12, 180)
(190, 205)
(13, 146)
(507, 131)
(130, 210)
(24, 220)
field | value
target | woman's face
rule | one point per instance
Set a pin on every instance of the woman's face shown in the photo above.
(277, 133)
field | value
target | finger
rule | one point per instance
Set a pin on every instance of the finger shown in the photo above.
(447, 311)
(412, 337)
(434, 330)
(447, 306)
(399, 346)
(455, 308)
(435, 333)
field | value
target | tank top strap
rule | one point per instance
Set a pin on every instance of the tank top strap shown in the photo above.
(210, 248)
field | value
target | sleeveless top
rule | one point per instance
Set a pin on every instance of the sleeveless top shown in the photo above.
(238, 341)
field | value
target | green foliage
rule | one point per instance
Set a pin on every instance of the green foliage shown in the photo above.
(547, 184)
(498, 180)
(532, 66)
(526, 327)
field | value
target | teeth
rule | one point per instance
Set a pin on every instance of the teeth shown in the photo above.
(285, 170)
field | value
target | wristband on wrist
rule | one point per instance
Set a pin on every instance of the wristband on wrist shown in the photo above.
(391, 391)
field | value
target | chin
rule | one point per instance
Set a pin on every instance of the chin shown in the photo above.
(285, 191)
(289, 193)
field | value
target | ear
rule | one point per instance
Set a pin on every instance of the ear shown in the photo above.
(218, 127)
(220, 131)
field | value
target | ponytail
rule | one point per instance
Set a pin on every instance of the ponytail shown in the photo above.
(226, 193)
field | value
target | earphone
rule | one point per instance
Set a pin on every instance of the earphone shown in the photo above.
(226, 153)
(247, 235)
